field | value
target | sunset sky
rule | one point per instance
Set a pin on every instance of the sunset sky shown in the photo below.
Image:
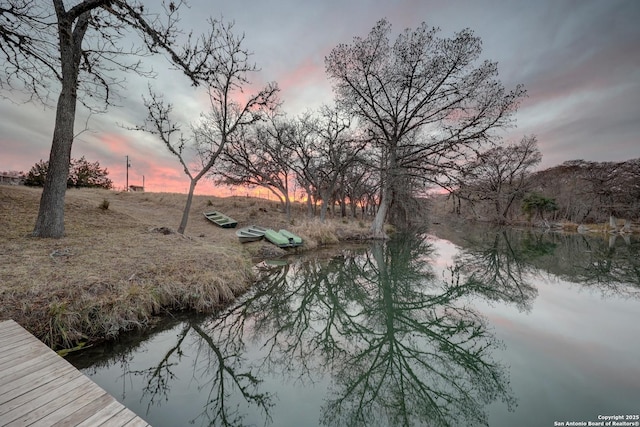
(578, 60)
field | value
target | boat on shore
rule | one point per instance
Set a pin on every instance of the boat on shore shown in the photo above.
(251, 233)
(294, 240)
(220, 219)
(282, 240)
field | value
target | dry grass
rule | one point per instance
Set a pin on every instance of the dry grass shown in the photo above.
(116, 269)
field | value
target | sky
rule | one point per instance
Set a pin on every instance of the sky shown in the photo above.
(578, 60)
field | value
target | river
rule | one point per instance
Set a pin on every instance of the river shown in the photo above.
(471, 327)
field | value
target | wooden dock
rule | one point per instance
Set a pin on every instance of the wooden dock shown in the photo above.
(40, 388)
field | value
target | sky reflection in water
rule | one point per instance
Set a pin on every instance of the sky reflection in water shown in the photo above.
(484, 328)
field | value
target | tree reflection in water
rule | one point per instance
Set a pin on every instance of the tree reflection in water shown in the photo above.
(497, 266)
(606, 265)
(218, 370)
(398, 346)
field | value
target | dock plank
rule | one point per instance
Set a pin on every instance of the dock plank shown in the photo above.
(35, 397)
(85, 412)
(24, 410)
(40, 388)
(18, 352)
(27, 363)
(30, 381)
(102, 416)
(68, 404)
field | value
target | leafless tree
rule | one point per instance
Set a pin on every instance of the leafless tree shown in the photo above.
(419, 83)
(77, 52)
(259, 156)
(301, 141)
(324, 147)
(229, 66)
(336, 149)
(501, 175)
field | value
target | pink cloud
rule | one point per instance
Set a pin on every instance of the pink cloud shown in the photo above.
(308, 72)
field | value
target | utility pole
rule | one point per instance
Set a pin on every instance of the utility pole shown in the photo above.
(128, 166)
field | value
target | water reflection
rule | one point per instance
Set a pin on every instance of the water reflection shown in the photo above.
(608, 265)
(499, 266)
(398, 347)
(415, 355)
(381, 336)
(506, 259)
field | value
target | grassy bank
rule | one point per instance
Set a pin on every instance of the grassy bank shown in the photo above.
(120, 264)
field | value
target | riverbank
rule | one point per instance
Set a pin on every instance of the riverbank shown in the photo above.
(121, 265)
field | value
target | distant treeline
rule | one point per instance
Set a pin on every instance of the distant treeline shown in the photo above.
(577, 191)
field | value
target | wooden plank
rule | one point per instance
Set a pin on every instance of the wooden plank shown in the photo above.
(30, 398)
(10, 330)
(103, 415)
(12, 335)
(13, 397)
(8, 327)
(85, 412)
(40, 388)
(31, 381)
(121, 418)
(38, 406)
(16, 343)
(17, 370)
(19, 351)
(42, 368)
(70, 403)
(137, 422)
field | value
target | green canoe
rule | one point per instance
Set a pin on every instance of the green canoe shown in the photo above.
(220, 219)
(294, 240)
(283, 240)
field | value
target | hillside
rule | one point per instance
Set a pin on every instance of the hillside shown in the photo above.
(588, 192)
(582, 192)
(118, 268)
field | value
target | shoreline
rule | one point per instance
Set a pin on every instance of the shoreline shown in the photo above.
(124, 268)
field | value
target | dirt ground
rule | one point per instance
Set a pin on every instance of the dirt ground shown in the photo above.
(119, 268)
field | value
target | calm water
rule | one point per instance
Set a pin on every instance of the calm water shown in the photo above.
(498, 328)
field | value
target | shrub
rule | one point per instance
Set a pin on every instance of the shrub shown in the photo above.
(81, 174)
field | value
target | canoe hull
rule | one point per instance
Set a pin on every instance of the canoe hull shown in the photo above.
(294, 240)
(276, 238)
(252, 233)
(220, 219)
(282, 238)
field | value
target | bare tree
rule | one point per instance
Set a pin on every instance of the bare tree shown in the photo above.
(74, 52)
(228, 67)
(501, 175)
(360, 185)
(260, 157)
(420, 82)
(301, 141)
(336, 149)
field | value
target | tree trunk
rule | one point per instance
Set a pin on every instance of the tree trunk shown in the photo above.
(50, 220)
(309, 208)
(323, 208)
(386, 192)
(287, 206)
(377, 226)
(187, 207)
